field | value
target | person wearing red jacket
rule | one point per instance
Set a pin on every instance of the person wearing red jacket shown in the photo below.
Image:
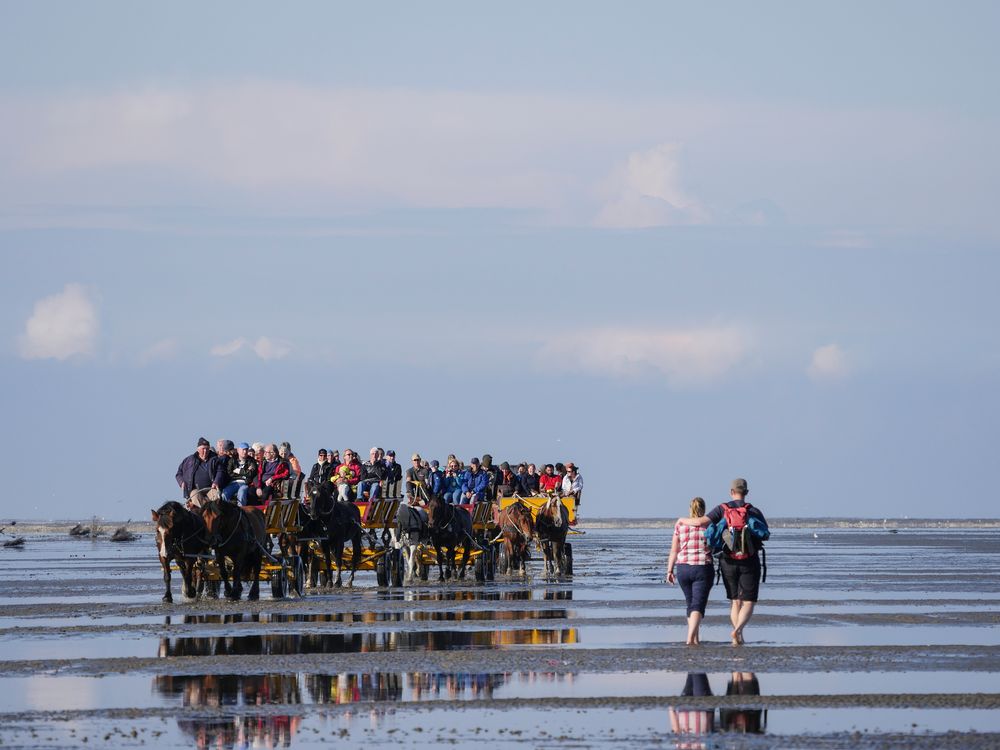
(548, 481)
(352, 475)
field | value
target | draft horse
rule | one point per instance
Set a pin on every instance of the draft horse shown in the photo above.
(552, 525)
(180, 535)
(449, 526)
(409, 531)
(239, 534)
(343, 524)
(517, 529)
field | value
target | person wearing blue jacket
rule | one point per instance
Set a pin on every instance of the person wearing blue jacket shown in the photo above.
(475, 483)
(201, 475)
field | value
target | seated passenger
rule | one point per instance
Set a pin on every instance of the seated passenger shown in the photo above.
(272, 472)
(475, 483)
(508, 484)
(494, 475)
(393, 474)
(548, 481)
(373, 472)
(572, 483)
(342, 478)
(294, 468)
(242, 471)
(200, 475)
(436, 479)
(530, 481)
(320, 470)
(452, 483)
(351, 477)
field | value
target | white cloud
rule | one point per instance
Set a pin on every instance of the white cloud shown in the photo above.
(266, 348)
(682, 357)
(61, 326)
(228, 349)
(646, 192)
(161, 351)
(829, 362)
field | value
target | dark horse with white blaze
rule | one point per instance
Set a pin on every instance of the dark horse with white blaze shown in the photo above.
(180, 535)
(516, 531)
(343, 524)
(449, 526)
(552, 525)
(239, 534)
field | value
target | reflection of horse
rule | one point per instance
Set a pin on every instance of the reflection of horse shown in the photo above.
(551, 525)
(239, 534)
(180, 534)
(449, 526)
(343, 524)
(516, 530)
(410, 530)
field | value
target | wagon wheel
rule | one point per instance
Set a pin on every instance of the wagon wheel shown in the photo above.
(279, 582)
(567, 561)
(381, 572)
(298, 572)
(395, 567)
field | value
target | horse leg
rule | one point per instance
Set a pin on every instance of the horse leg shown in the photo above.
(465, 559)
(355, 557)
(255, 561)
(338, 559)
(187, 572)
(238, 563)
(437, 554)
(220, 561)
(168, 598)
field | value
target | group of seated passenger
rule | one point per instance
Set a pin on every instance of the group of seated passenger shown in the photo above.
(254, 474)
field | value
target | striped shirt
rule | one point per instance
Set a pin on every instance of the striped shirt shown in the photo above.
(691, 546)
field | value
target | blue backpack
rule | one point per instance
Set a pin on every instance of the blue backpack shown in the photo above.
(738, 535)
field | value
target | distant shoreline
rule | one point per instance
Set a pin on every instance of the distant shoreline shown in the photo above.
(21, 527)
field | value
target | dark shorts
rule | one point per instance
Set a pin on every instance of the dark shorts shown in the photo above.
(741, 578)
(695, 581)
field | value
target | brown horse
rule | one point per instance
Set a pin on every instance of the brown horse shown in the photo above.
(239, 534)
(552, 525)
(449, 526)
(180, 536)
(516, 530)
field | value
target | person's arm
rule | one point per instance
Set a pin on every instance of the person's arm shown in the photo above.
(700, 521)
(672, 560)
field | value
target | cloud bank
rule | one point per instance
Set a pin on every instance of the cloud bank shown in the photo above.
(62, 326)
(829, 362)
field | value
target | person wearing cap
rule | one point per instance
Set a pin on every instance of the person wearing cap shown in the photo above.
(242, 471)
(740, 576)
(572, 483)
(372, 474)
(436, 479)
(416, 478)
(493, 472)
(201, 474)
(508, 483)
(475, 482)
(393, 474)
(320, 471)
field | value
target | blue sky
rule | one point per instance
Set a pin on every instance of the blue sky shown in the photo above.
(672, 244)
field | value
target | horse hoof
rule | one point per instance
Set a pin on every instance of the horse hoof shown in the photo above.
(168, 599)
(253, 597)
(338, 583)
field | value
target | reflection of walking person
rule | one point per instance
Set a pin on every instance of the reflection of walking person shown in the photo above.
(740, 568)
(689, 721)
(690, 565)
(747, 721)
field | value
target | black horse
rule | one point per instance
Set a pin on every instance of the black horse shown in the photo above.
(449, 526)
(239, 534)
(180, 534)
(551, 526)
(343, 524)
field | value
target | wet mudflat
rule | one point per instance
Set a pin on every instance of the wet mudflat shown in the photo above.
(863, 639)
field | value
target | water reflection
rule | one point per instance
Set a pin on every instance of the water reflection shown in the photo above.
(690, 725)
(283, 644)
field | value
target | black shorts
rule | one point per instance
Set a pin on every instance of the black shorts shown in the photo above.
(741, 578)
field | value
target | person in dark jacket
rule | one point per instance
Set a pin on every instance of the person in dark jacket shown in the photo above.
(201, 475)
(508, 484)
(321, 470)
(475, 483)
(393, 474)
(436, 479)
(416, 478)
(272, 472)
(241, 470)
(529, 481)
(372, 473)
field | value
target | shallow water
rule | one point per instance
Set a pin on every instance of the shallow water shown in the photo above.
(82, 630)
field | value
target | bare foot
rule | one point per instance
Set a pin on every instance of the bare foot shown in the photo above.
(737, 638)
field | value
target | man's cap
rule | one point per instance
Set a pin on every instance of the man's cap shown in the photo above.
(739, 485)
(228, 445)
(415, 457)
(244, 446)
(202, 441)
(435, 463)
(391, 453)
(570, 465)
(505, 466)
(474, 461)
(321, 452)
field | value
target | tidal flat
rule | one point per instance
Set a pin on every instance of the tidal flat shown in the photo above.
(863, 638)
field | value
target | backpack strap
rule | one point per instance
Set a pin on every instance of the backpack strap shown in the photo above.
(763, 564)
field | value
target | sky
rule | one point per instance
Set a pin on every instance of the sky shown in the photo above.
(674, 244)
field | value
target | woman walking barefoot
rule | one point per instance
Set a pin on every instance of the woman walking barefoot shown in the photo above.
(690, 565)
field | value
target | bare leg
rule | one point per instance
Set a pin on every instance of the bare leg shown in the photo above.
(745, 612)
(694, 623)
